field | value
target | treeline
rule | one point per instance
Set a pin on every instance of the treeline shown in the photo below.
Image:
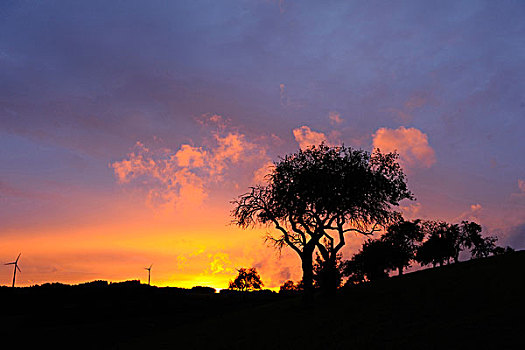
(434, 243)
(107, 285)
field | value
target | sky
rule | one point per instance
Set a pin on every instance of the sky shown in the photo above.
(128, 127)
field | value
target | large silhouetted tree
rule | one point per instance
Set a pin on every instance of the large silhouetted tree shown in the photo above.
(246, 280)
(324, 192)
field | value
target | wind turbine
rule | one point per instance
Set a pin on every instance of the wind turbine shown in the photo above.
(16, 267)
(149, 272)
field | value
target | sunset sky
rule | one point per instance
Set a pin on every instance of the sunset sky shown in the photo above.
(127, 127)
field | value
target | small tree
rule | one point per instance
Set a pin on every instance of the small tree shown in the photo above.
(500, 250)
(479, 246)
(246, 280)
(441, 244)
(354, 270)
(403, 238)
(373, 262)
(483, 247)
(327, 275)
(393, 251)
(324, 192)
(446, 241)
(288, 286)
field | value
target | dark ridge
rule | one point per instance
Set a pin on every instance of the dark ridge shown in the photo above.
(473, 304)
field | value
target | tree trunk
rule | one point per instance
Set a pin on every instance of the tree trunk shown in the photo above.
(329, 276)
(307, 275)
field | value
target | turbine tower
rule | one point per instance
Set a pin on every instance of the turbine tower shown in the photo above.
(16, 267)
(149, 273)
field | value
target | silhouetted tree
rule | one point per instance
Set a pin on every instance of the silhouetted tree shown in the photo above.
(324, 192)
(354, 270)
(288, 286)
(500, 250)
(483, 247)
(372, 262)
(457, 241)
(392, 251)
(479, 246)
(203, 290)
(439, 247)
(246, 280)
(452, 239)
(446, 241)
(470, 232)
(403, 238)
(327, 275)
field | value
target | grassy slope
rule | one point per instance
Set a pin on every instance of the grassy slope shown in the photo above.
(471, 304)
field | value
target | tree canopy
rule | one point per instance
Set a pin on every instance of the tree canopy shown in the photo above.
(394, 250)
(371, 263)
(288, 286)
(247, 279)
(317, 195)
(402, 239)
(427, 242)
(445, 242)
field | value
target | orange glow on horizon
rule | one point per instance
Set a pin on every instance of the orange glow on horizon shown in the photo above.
(188, 251)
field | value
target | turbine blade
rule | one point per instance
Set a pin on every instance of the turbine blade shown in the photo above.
(18, 268)
(10, 263)
(18, 257)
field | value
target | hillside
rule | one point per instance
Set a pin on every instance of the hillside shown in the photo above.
(471, 304)
(477, 303)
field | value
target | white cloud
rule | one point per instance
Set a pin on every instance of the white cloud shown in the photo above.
(411, 144)
(182, 178)
(305, 137)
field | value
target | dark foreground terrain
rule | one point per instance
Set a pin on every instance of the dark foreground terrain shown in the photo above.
(473, 304)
